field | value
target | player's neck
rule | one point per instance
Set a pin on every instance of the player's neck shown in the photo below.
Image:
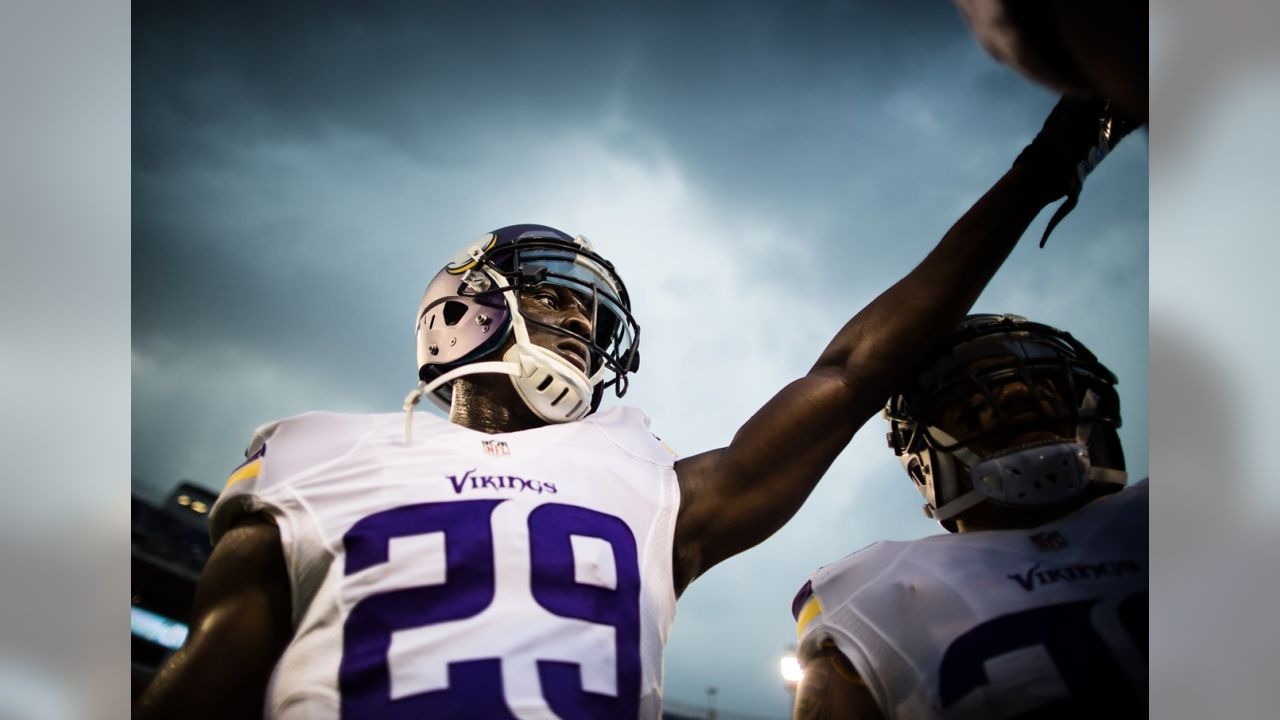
(490, 405)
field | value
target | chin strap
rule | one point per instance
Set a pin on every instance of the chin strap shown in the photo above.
(965, 500)
(424, 388)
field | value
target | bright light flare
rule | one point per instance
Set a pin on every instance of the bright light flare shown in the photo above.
(790, 668)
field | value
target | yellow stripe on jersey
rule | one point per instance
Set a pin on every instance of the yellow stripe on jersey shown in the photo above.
(248, 471)
(812, 609)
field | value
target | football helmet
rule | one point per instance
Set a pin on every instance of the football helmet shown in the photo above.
(472, 307)
(1011, 412)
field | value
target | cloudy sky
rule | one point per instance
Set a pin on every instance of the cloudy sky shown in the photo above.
(757, 172)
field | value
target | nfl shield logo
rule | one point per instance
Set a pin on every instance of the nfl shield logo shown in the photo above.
(1052, 540)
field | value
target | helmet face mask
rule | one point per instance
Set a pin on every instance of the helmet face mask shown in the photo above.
(612, 342)
(481, 298)
(1011, 413)
(997, 394)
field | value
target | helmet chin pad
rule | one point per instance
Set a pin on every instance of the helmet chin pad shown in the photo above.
(1033, 476)
(549, 385)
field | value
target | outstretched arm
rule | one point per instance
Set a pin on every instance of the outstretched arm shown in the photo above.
(241, 623)
(734, 497)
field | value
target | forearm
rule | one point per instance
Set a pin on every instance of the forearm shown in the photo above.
(876, 350)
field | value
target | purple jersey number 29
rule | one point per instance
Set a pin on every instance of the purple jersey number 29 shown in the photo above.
(475, 685)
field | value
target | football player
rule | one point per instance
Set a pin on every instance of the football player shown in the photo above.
(1036, 604)
(523, 558)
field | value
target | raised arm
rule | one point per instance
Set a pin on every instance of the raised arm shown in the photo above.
(734, 497)
(241, 622)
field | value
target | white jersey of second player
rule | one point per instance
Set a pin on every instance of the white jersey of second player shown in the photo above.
(517, 575)
(1050, 622)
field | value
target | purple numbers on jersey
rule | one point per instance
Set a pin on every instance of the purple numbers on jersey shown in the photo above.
(1095, 678)
(475, 685)
(556, 589)
(364, 677)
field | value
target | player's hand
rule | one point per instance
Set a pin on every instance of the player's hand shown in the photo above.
(1075, 138)
(1078, 133)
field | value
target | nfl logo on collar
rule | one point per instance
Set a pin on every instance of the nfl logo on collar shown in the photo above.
(495, 448)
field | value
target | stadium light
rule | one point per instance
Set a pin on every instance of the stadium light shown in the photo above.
(791, 672)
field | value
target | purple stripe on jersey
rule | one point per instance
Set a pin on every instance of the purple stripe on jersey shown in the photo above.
(262, 450)
(802, 597)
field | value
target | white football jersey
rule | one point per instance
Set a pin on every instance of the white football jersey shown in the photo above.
(519, 575)
(996, 624)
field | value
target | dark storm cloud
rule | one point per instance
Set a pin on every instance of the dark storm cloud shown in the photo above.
(224, 92)
(302, 67)
(737, 91)
(734, 87)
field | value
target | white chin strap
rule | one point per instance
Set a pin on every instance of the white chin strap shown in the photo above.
(552, 387)
(424, 388)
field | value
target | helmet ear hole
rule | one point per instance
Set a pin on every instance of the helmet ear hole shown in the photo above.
(453, 312)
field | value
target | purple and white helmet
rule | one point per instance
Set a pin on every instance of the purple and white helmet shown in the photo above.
(472, 306)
